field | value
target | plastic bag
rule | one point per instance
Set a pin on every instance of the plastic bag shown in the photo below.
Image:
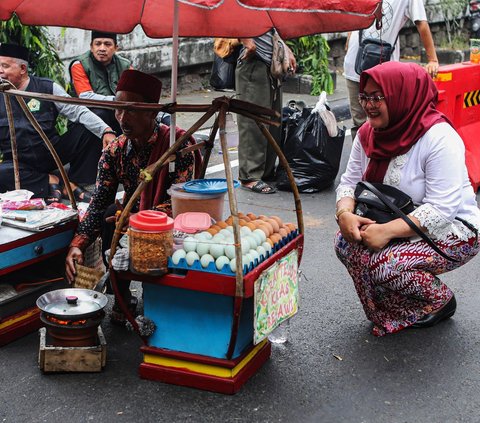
(313, 155)
(223, 74)
(223, 70)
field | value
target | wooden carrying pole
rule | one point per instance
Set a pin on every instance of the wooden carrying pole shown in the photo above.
(13, 140)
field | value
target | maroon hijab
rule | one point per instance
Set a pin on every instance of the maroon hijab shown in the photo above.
(411, 97)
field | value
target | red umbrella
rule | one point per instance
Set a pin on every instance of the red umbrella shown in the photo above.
(199, 18)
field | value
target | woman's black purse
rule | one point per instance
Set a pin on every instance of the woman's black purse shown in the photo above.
(368, 204)
(383, 203)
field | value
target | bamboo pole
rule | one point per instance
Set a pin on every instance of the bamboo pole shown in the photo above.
(208, 149)
(232, 200)
(13, 140)
(284, 163)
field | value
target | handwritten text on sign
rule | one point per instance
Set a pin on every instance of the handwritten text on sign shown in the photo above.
(276, 295)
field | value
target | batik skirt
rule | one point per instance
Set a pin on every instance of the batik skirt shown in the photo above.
(398, 285)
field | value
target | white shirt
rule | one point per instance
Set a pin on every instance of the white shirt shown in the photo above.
(433, 173)
(395, 14)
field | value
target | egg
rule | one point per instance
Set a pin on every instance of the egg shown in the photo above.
(178, 255)
(229, 221)
(252, 241)
(206, 259)
(230, 229)
(207, 235)
(190, 244)
(221, 261)
(226, 233)
(270, 242)
(216, 227)
(262, 217)
(279, 221)
(283, 232)
(245, 230)
(262, 252)
(212, 231)
(291, 226)
(260, 234)
(191, 257)
(243, 216)
(200, 236)
(242, 222)
(247, 259)
(217, 250)
(245, 243)
(251, 216)
(275, 238)
(255, 255)
(269, 226)
(274, 224)
(268, 231)
(218, 238)
(221, 224)
(203, 248)
(233, 265)
(267, 246)
(251, 226)
(257, 237)
(230, 251)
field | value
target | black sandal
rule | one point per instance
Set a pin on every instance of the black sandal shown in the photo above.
(260, 187)
(80, 195)
(54, 193)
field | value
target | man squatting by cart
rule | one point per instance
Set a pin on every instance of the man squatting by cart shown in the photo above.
(80, 146)
(143, 141)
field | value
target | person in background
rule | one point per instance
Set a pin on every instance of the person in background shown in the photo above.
(95, 74)
(254, 83)
(410, 145)
(80, 146)
(395, 14)
(143, 141)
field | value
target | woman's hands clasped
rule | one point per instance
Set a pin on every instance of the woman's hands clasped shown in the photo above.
(350, 225)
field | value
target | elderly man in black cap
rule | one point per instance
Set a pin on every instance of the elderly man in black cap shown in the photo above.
(80, 146)
(143, 142)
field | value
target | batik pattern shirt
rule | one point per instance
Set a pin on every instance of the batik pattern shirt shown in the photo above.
(121, 163)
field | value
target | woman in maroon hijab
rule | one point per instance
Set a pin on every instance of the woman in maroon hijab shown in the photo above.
(410, 145)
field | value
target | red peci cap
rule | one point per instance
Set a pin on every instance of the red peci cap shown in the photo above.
(148, 86)
(151, 220)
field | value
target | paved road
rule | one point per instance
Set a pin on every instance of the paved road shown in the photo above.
(430, 375)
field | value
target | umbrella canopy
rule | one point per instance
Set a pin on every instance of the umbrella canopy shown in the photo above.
(199, 18)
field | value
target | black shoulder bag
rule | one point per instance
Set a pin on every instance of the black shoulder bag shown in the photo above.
(372, 52)
(383, 203)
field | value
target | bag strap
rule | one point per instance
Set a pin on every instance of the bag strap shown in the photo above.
(409, 221)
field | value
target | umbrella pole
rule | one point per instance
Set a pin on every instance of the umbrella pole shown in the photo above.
(173, 94)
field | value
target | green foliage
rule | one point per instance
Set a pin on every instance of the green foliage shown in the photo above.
(311, 53)
(44, 59)
(453, 12)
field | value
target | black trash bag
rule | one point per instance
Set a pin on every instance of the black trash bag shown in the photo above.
(223, 71)
(313, 156)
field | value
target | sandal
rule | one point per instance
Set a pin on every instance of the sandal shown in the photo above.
(54, 193)
(260, 187)
(80, 195)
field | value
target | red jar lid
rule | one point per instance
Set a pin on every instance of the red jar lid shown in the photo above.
(151, 220)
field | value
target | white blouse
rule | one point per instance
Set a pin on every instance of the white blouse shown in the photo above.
(434, 174)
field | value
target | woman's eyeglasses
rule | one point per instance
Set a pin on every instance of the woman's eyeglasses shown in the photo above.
(375, 100)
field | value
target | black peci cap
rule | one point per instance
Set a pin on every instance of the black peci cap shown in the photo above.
(100, 34)
(14, 50)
